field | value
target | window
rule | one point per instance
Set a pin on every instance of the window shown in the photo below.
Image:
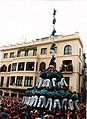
(19, 80)
(67, 65)
(9, 68)
(7, 81)
(2, 80)
(6, 94)
(12, 80)
(3, 68)
(30, 66)
(67, 49)
(35, 52)
(12, 55)
(21, 66)
(42, 66)
(14, 66)
(6, 55)
(30, 52)
(19, 54)
(28, 81)
(22, 53)
(44, 51)
(26, 53)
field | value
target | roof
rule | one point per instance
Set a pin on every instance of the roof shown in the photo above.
(44, 40)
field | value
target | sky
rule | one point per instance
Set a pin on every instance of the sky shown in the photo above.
(24, 19)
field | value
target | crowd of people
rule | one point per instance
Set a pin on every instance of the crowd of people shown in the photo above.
(14, 108)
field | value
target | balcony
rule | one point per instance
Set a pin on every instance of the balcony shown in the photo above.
(27, 52)
(67, 68)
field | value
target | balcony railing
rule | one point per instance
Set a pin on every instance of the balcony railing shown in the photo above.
(67, 68)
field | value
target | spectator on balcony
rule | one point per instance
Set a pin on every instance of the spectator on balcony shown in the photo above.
(70, 68)
(67, 67)
(64, 67)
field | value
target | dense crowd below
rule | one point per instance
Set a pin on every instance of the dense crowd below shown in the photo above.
(13, 108)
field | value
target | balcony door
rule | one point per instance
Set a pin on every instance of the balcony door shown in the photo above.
(67, 65)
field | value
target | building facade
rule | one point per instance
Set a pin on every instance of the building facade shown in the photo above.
(85, 79)
(21, 64)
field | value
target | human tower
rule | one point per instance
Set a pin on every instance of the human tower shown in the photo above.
(51, 91)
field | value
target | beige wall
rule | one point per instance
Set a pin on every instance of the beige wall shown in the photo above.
(61, 42)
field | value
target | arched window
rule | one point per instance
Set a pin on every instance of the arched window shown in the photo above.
(67, 49)
(42, 66)
(3, 68)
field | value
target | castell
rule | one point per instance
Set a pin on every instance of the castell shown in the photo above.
(51, 95)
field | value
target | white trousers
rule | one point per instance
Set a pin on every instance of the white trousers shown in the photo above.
(49, 103)
(40, 82)
(64, 103)
(53, 82)
(25, 99)
(71, 104)
(46, 83)
(57, 102)
(28, 102)
(42, 101)
(35, 100)
(62, 83)
(31, 101)
(76, 104)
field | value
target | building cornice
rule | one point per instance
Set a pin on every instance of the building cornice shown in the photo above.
(46, 40)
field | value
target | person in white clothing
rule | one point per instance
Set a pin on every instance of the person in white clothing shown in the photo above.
(64, 103)
(40, 82)
(62, 83)
(57, 102)
(71, 104)
(46, 83)
(76, 104)
(31, 101)
(49, 103)
(35, 100)
(54, 82)
(42, 101)
(25, 99)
